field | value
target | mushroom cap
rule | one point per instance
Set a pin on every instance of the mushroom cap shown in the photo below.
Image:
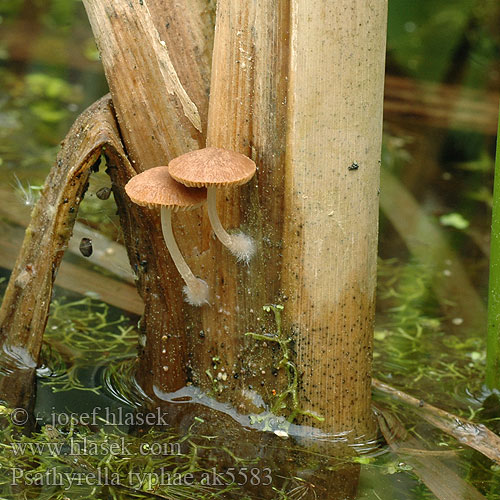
(154, 187)
(212, 167)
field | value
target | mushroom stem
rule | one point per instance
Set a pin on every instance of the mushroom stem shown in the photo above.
(196, 289)
(239, 244)
(219, 231)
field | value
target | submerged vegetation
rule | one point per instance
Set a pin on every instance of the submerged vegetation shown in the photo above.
(82, 333)
(412, 328)
(151, 464)
(87, 332)
(288, 400)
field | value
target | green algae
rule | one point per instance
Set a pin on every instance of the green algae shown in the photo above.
(287, 400)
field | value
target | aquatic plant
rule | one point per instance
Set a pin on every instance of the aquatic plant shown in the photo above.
(87, 326)
(411, 327)
(288, 399)
(152, 464)
(79, 332)
(493, 339)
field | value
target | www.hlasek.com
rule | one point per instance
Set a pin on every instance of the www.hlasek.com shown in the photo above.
(138, 480)
(78, 447)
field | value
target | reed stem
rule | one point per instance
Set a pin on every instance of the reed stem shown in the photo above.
(493, 337)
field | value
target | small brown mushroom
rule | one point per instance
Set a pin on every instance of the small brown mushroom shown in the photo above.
(212, 168)
(155, 187)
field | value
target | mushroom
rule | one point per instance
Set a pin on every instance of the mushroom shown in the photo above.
(154, 187)
(212, 168)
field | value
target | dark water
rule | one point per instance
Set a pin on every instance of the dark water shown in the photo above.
(443, 76)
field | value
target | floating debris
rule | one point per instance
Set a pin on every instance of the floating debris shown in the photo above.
(86, 247)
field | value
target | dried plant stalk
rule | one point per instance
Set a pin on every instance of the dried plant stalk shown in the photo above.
(477, 436)
(331, 203)
(156, 58)
(247, 114)
(277, 98)
(443, 481)
(24, 310)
